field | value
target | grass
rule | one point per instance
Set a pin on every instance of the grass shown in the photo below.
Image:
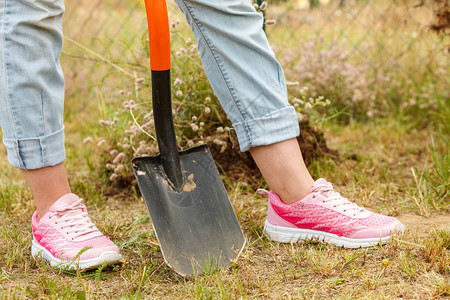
(374, 174)
(397, 165)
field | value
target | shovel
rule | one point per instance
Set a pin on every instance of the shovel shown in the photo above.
(192, 216)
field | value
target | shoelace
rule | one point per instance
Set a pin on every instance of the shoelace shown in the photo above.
(75, 218)
(326, 189)
(76, 224)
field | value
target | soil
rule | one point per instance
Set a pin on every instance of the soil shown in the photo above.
(422, 225)
(240, 167)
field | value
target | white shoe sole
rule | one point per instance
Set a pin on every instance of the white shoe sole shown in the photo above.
(292, 235)
(110, 257)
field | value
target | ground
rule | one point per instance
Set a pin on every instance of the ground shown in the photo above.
(373, 169)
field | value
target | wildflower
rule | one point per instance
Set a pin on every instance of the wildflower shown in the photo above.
(263, 6)
(122, 92)
(101, 143)
(177, 82)
(179, 93)
(118, 169)
(308, 105)
(105, 123)
(194, 118)
(190, 143)
(202, 124)
(220, 129)
(218, 142)
(139, 80)
(87, 140)
(113, 152)
(297, 101)
(115, 120)
(182, 50)
(126, 146)
(194, 127)
(119, 157)
(113, 176)
(207, 99)
(109, 166)
(147, 117)
(207, 110)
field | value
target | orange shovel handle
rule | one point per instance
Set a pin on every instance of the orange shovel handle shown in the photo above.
(159, 35)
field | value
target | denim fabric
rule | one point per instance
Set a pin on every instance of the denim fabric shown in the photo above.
(238, 61)
(242, 69)
(31, 82)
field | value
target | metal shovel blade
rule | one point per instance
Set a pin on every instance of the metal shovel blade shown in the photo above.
(197, 228)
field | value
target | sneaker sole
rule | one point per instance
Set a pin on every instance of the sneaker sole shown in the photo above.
(110, 257)
(293, 235)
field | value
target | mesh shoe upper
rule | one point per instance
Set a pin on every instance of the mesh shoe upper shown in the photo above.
(324, 209)
(67, 229)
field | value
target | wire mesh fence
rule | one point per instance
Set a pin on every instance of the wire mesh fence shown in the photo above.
(115, 31)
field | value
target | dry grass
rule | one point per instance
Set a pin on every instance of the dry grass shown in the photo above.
(375, 170)
(413, 265)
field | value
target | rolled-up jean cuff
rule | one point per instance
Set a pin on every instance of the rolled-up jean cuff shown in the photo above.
(36, 153)
(275, 127)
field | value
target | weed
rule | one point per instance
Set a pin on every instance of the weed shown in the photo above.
(406, 266)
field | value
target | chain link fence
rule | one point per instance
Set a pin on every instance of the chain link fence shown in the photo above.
(114, 32)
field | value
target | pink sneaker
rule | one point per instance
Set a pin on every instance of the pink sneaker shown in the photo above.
(65, 230)
(326, 216)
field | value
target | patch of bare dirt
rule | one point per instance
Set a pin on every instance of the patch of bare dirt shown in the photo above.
(422, 224)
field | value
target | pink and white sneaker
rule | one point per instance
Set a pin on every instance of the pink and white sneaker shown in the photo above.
(326, 216)
(65, 230)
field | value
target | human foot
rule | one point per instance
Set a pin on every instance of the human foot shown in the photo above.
(326, 216)
(65, 230)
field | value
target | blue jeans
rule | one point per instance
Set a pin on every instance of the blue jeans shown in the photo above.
(240, 65)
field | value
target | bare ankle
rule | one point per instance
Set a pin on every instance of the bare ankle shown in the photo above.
(294, 195)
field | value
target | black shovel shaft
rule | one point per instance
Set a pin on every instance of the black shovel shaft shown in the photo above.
(159, 45)
(165, 131)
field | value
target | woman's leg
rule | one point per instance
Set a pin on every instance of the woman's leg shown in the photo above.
(47, 185)
(31, 117)
(284, 169)
(250, 84)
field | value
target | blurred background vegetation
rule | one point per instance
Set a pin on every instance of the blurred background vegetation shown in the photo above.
(344, 61)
